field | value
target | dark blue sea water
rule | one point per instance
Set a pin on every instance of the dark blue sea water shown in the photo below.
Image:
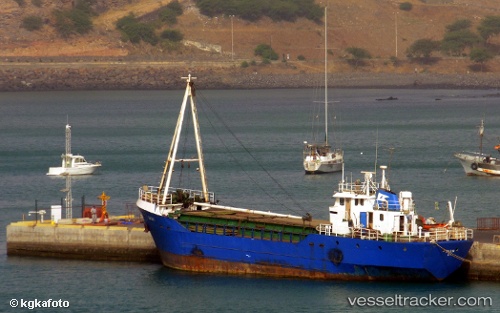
(253, 147)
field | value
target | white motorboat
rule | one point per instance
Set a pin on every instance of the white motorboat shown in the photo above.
(73, 164)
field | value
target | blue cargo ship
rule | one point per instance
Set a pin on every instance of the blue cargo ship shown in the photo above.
(372, 232)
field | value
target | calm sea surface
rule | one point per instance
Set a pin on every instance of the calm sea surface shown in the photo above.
(253, 147)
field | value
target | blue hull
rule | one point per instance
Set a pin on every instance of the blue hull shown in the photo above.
(316, 257)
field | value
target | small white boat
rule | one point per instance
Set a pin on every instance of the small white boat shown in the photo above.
(73, 164)
(320, 157)
(479, 163)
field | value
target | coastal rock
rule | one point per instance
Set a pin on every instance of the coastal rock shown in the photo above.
(128, 77)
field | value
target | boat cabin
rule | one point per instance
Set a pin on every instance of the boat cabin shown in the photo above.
(73, 160)
(371, 206)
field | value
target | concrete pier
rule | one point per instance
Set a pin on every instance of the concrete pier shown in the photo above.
(120, 242)
(129, 242)
(484, 262)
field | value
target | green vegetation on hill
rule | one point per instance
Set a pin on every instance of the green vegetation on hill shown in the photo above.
(169, 14)
(489, 27)
(75, 21)
(32, 22)
(172, 35)
(277, 10)
(406, 6)
(459, 40)
(266, 52)
(135, 31)
(358, 56)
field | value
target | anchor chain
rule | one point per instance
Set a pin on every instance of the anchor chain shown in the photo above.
(451, 253)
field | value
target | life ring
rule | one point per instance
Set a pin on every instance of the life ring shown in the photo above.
(336, 256)
(473, 166)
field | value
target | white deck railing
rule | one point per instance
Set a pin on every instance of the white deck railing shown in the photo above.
(359, 187)
(436, 234)
(150, 194)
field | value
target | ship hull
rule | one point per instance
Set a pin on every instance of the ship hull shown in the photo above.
(73, 171)
(475, 165)
(327, 163)
(322, 167)
(315, 257)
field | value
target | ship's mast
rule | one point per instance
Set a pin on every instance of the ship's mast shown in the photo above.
(481, 132)
(68, 139)
(326, 82)
(68, 146)
(190, 94)
(68, 200)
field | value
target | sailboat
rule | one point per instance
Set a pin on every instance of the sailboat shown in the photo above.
(320, 157)
(73, 164)
(479, 163)
(373, 233)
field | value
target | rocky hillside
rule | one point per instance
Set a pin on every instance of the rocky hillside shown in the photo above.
(378, 26)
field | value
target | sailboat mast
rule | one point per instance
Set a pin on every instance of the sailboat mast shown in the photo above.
(481, 132)
(326, 82)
